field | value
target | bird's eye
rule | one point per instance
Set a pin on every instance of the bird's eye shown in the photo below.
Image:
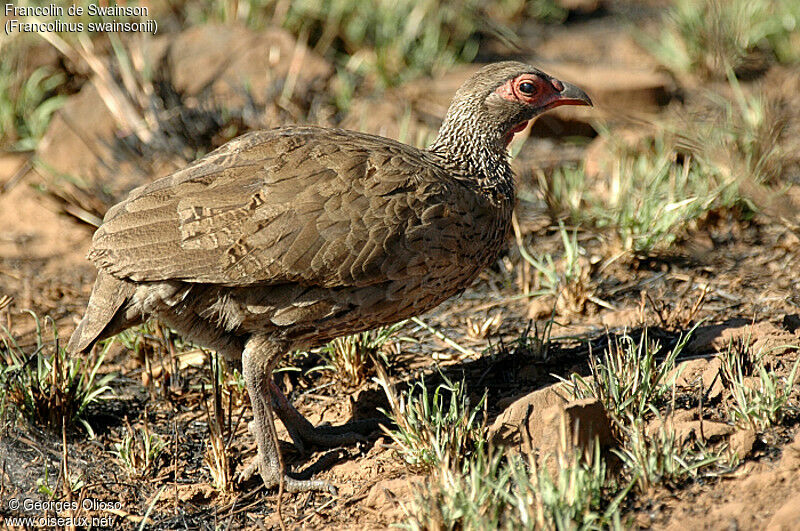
(526, 87)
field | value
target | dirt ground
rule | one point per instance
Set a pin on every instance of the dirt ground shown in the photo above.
(743, 272)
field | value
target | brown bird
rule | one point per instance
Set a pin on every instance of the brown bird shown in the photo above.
(285, 239)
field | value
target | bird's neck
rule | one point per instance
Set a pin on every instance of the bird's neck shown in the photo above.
(475, 154)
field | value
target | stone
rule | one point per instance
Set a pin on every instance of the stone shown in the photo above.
(234, 63)
(578, 423)
(741, 443)
(82, 146)
(541, 307)
(790, 460)
(505, 430)
(717, 338)
(686, 430)
(555, 423)
(624, 318)
(712, 379)
(689, 372)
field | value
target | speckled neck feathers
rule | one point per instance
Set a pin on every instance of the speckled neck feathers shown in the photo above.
(474, 149)
(470, 140)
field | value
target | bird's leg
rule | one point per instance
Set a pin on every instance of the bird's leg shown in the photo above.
(302, 431)
(259, 357)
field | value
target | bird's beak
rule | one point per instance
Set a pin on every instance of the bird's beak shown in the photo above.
(569, 95)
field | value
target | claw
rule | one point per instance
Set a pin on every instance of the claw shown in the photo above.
(247, 473)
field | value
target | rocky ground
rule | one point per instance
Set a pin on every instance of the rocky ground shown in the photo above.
(734, 277)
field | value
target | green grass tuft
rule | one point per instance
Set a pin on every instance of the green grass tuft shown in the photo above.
(711, 36)
(434, 429)
(49, 387)
(27, 104)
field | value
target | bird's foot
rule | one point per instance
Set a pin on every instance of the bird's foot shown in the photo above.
(303, 432)
(270, 477)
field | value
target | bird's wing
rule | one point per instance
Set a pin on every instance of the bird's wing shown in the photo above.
(308, 205)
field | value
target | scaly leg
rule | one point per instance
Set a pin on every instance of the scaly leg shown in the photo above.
(258, 359)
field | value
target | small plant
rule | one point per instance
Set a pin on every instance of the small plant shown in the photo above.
(547, 11)
(537, 344)
(629, 378)
(739, 145)
(495, 491)
(569, 281)
(50, 389)
(139, 450)
(564, 192)
(660, 457)
(573, 498)
(75, 484)
(352, 356)
(760, 401)
(652, 197)
(433, 429)
(27, 104)
(217, 457)
(647, 196)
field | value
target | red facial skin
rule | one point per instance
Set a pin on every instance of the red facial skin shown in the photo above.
(546, 94)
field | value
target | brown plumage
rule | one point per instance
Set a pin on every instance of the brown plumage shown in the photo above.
(285, 239)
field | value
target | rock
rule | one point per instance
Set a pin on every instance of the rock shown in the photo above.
(712, 379)
(763, 335)
(541, 307)
(598, 42)
(82, 147)
(550, 418)
(686, 430)
(505, 431)
(578, 423)
(233, 64)
(741, 443)
(689, 372)
(627, 317)
(791, 455)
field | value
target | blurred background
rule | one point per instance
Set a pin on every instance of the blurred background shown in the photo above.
(88, 104)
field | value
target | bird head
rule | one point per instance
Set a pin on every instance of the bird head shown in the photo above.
(500, 99)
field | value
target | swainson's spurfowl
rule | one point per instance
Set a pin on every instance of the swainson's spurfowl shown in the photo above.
(285, 239)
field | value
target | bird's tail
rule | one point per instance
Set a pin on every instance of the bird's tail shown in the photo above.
(105, 313)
